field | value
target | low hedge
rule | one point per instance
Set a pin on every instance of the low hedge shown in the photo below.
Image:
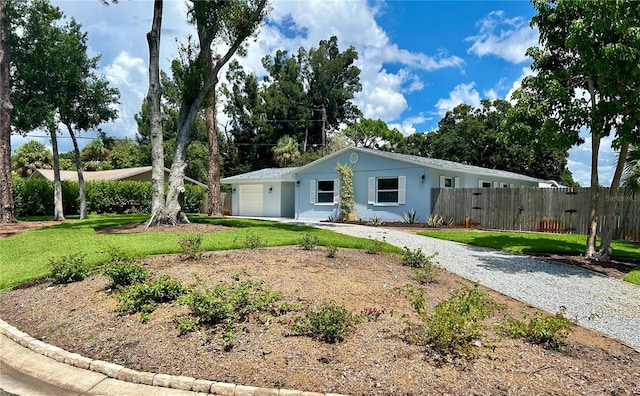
(34, 197)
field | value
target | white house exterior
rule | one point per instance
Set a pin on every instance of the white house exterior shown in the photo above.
(385, 184)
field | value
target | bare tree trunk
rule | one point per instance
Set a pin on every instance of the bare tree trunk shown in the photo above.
(213, 194)
(154, 96)
(611, 206)
(81, 190)
(7, 214)
(58, 208)
(174, 213)
(594, 197)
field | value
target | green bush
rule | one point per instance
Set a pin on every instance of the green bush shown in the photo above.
(253, 241)
(376, 246)
(144, 297)
(330, 322)
(122, 270)
(309, 242)
(191, 247)
(332, 251)
(230, 303)
(550, 331)
(34, 197)
(68, 269)
(415, 258)
(452, 324)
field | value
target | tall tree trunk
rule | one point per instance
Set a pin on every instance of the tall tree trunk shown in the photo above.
(611, 206)
(594, 198)
(214, 192)
(174, 213)
(154, 97)
(81, 189)
(58, 207)
(7, 213)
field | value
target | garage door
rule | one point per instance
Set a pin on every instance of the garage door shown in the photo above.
(250, 200)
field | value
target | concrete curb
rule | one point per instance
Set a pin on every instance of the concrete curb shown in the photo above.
(66, 370)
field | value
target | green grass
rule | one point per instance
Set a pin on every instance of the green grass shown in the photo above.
(518, 242)
(25, 256)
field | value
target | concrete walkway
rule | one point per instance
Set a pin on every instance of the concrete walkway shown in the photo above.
(600, 303)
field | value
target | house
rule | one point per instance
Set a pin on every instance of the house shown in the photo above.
(142, 174)
(386, 185)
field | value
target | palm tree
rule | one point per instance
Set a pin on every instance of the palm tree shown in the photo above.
(31, 156)
(631, 176)
(286, 152)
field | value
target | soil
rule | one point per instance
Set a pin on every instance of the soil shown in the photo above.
(374, 359)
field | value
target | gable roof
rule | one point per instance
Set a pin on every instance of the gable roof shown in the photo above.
(113, 174)
(264, 175)
(431, 163)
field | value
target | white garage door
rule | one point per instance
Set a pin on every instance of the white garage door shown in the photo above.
(251, 200)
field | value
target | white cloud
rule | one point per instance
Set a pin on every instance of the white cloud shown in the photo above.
(463, 93)
(407, 125)
(506, 38)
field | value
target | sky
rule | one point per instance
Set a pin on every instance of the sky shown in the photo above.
(418, 59)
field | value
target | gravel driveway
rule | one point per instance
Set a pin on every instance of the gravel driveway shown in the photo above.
(607, 305)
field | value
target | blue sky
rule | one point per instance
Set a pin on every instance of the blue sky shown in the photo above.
(418, 59)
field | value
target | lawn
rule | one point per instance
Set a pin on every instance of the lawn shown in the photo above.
(26, 256)
(519, 242)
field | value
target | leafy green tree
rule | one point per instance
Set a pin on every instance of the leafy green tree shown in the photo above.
(7, 213)
(286, 152)
(373, 134)
(631, 177)
(588, 69)
(31, 156)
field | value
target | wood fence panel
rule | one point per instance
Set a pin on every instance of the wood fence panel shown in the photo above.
(563, 210)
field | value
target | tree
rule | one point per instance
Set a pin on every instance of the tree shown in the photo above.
(7, 214)
(286, 152)
(229, 23)
(31, 156)
(631, 177)
(588, 73)
(373, 134)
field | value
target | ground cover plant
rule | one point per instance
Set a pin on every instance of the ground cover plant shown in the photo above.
(93, 238)
(374, 356)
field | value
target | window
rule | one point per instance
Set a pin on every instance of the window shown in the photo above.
(484, 184)
(324, 192)
(449, 182)
(387, 190)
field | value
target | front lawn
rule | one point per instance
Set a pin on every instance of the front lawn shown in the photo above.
(25, 256)
(519, 242)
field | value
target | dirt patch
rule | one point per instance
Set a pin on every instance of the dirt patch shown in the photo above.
(8, 229)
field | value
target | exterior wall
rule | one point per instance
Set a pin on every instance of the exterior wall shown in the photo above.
(417, 191)
(473, 181)
(287, 202)
(277, 199)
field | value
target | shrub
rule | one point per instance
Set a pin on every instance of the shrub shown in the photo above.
(144, 297)
(329, 323)
(191, 247)
(376, 246)
(454, 323)
(370, 314)
(122, 270)
(415, 258)
(376, 221)
(550, 331)
(309, 242)
(410, 216)
(332, 251)
(425, 274)
(436, 220)
(230, 303)
(68, 269)
(32, 197)
(253, 241)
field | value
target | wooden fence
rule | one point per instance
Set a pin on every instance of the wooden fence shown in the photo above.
(563, 210)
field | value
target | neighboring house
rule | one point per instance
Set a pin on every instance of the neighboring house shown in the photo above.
(142, 174)
(385, 185)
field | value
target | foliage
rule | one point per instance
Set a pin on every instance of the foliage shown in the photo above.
(253, 241)
(410, 216)
(437, 220)
(32, 197)
(376, 246)
(370, 313)
(31, 156)
(68, 269)
(374, 134)
(332, 251)
(633, 276)
(144, 297)
(631, 176)
(309, 242)
(376, 221)
(347, 198)
(550, 331)
(452, 324)
(191, 246)
(286, 152)
(231, 303)
(122, 270)
(330, 322)
(425, 274)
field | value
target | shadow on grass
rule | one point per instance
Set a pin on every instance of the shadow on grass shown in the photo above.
(540, 244)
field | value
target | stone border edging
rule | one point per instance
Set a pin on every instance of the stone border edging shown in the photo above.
(122, 373)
